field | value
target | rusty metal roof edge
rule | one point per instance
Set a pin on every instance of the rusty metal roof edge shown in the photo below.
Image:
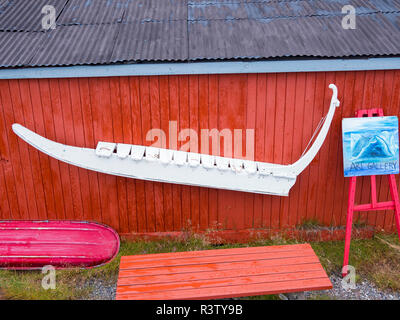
(218, 67)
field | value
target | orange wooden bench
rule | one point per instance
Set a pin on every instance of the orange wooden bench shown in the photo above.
(221, 273)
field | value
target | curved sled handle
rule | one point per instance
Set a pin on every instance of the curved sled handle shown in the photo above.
(297, 167)
(334, 95)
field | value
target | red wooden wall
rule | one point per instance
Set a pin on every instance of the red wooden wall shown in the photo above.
(284, 109)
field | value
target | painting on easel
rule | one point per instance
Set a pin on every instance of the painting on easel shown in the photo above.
(370, 146)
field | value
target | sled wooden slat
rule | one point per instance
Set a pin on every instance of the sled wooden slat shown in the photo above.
(224, 273)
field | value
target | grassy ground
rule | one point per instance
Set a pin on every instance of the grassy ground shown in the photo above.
(377, 259)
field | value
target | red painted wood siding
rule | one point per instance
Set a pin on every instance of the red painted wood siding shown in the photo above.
(284, 109)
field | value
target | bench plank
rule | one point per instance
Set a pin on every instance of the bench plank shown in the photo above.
(218, 252)
(221, 273)
(221, 266)
(206, 275)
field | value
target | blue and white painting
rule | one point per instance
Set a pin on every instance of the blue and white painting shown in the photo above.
(370, 146)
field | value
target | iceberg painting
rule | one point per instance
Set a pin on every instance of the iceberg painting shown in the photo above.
(370, 146)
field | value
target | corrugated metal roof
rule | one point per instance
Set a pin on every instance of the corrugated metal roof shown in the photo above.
(309, 37)
(25, 15)
(81, 12)
(76, 44)
(123, 31)
(151, 41)
(156, 11)
(18, 48)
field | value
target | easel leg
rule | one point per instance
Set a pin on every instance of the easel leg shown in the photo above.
(349, 224)
(395, 198)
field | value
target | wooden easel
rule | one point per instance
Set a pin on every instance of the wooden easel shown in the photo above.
(394, 204)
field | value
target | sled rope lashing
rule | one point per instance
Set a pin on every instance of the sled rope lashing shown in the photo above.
(313, 136)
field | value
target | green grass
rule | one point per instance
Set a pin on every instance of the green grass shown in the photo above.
(309, 224)
(373, 259)
(27, 285)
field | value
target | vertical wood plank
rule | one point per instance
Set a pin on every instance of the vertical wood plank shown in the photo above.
(184, 123)
(365, 185)
(5, 209)
(67, 114)
(318, 111)
(279, 140)
(174, 116)
(260, 142)
(88, 131)
(127, 137)
(340, 199)
(203, 124)
(194, 125)
(358, 93)
(17, 105)
(8, 165)
(137, 138)
(156, 124)
(118, 119)
(382, 185)
(53, 174)
(298, 101)
(290, 112)
(213, 114)
(335, 155)
(62, 101)
(13, 169)
(375, 102)
(324, 173)
(310, 123)
(59, 135)
(270, 153)
(44, 161)
(239, 123)
(82, 178)
(145, 108)
(165, 117)
(250, 124)
(394, 109)
(111, 205)
(269, 125)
